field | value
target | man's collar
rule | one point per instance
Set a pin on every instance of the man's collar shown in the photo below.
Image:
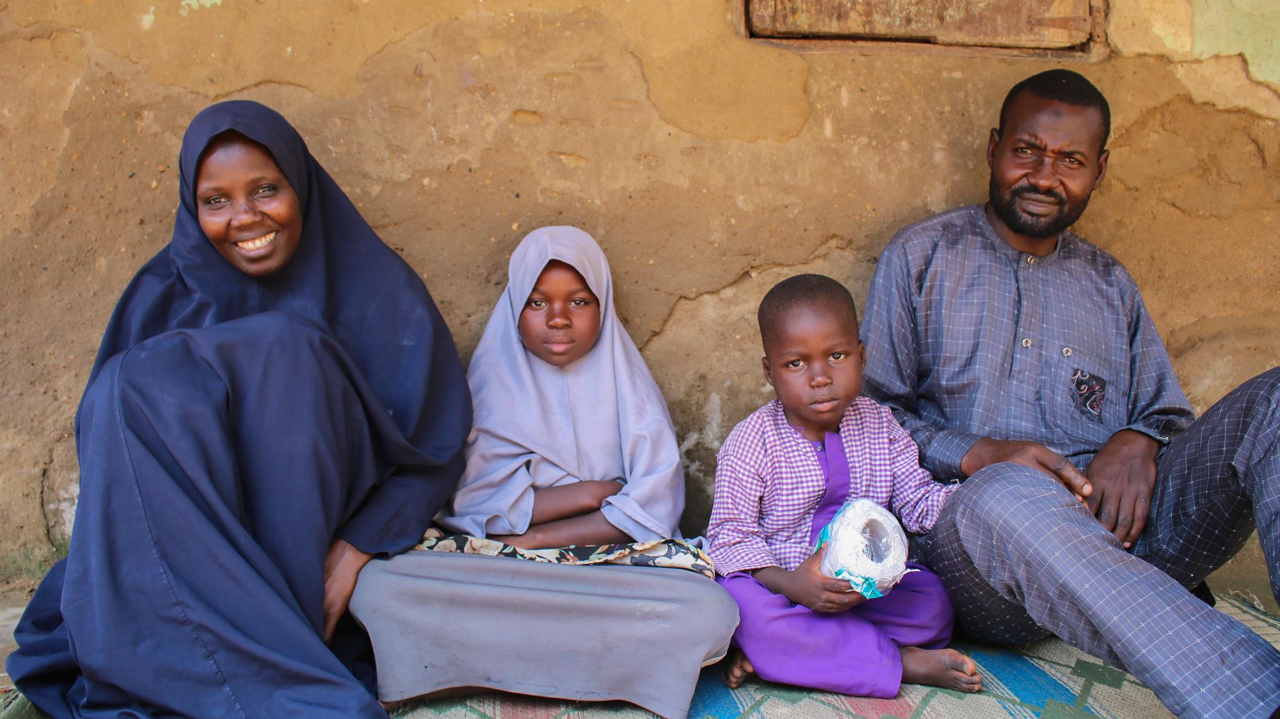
(1009, 252)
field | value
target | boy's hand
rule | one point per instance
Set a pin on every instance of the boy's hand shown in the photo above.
(807, 586)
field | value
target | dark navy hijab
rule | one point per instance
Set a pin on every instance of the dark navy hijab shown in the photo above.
(342, 277)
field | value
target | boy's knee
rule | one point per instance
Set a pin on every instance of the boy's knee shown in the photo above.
(930, 596)
(930, 588)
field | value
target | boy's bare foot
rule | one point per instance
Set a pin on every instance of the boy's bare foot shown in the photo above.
(944, 668)
(739, 670)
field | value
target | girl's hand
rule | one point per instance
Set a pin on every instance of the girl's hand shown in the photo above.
(807, 586)
(603, 489)
(585, 529)
(528, 540)
(552, 504)
(342, 567)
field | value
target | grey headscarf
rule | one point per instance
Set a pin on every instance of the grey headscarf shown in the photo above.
(599, 418)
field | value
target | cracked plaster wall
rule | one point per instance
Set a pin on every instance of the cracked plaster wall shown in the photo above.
(709, 166)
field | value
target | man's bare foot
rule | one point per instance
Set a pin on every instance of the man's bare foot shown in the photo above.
(944, 668)
(739, 670)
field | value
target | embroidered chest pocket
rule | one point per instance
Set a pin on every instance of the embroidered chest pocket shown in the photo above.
(1091, 391)
(1086, 396)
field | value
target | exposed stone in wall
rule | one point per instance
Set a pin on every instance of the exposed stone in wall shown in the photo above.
(1150, 27)
(1204, 30)
(708, 166)
(1224, 82)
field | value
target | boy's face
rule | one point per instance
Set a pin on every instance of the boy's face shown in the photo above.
(814, 362)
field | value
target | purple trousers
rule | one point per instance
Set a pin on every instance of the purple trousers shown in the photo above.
(853, 652)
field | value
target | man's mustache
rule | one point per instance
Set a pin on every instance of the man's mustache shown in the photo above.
(1034, 194)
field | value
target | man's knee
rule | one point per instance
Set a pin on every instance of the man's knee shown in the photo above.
(1263, 396)
(1006, 492)
(1271, 380)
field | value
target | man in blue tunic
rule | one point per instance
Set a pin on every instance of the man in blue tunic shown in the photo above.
(1023, 361)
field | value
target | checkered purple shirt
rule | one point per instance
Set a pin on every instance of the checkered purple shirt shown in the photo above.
(769, 484)
(966, 338)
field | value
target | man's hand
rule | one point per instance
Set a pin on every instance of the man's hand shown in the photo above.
(807, 586)
(989, 451)
(1123, 474)
(341, 568)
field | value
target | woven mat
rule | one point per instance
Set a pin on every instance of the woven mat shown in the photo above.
(1045, 680)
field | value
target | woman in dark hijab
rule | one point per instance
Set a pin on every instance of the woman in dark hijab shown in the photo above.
(276, 400)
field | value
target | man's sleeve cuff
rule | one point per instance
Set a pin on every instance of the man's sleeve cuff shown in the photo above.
(1161, 437)
(944, 452)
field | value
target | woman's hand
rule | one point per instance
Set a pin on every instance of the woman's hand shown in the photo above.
(341, 569)
(807, 586)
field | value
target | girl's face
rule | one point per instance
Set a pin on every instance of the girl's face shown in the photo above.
(246, 207)
(560, 321)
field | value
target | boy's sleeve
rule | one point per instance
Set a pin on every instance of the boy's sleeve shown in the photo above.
(917, 498)
(737, 543)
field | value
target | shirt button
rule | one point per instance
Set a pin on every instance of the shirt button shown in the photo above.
(1066, 351)
(1026, 341)
(1031, 259)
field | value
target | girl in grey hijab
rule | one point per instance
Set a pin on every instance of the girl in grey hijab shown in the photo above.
(544, 423)
(572, 445)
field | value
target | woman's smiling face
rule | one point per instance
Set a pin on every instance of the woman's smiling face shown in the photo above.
(248, 210)
(560, 321)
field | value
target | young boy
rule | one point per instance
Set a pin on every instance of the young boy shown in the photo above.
(781, 476)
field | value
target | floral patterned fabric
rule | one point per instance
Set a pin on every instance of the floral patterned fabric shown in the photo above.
(670, 553)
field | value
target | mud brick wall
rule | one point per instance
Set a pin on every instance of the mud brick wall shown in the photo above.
(707, 164)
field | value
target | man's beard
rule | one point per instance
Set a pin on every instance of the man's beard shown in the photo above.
(1040, 228)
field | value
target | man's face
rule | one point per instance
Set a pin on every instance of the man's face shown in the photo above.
(1045, 165)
